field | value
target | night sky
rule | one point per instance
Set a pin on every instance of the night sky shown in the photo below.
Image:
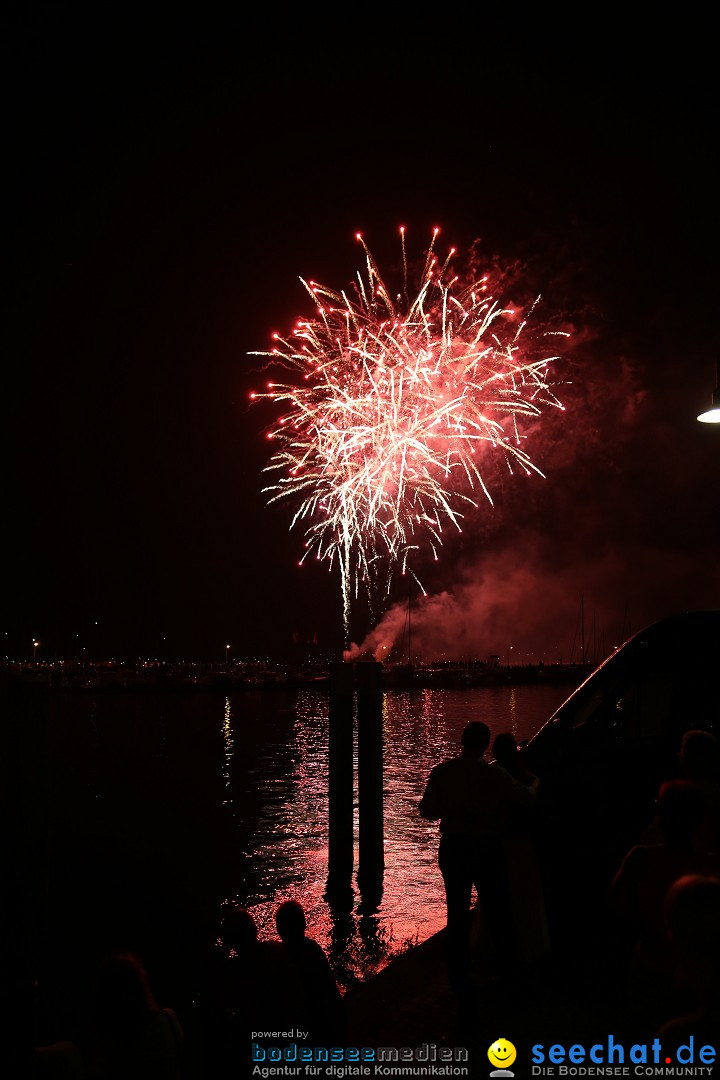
(168, 180)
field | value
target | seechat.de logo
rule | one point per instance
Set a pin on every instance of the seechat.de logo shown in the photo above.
(502, 1054)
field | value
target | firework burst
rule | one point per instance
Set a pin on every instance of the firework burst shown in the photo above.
(395, 411)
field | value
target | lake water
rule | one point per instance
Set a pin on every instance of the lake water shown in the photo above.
(148, 812)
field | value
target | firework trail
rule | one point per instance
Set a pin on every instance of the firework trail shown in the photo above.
(393, 411)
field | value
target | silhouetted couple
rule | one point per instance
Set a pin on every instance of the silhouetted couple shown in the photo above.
(474, 802)
(267, 986)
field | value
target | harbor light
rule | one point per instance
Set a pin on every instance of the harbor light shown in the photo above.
(712, 415)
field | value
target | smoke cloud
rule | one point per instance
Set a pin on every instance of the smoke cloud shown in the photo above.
(623, 525)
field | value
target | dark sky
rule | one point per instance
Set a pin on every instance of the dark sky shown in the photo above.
(167, 182)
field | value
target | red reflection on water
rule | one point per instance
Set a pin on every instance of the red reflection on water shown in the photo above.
(289, 846)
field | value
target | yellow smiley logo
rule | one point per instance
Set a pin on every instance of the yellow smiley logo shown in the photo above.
(502, 1053)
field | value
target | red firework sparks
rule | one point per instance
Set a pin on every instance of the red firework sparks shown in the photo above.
(393, 411)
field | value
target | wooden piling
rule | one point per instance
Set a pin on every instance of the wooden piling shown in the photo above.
(340, 782)
(371, 847)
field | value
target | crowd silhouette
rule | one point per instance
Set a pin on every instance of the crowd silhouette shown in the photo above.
(648, 943)
(251, 990)
(632, 946)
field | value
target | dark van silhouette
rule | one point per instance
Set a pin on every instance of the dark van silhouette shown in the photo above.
(604, 753)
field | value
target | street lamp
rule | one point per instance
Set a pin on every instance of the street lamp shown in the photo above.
(35, 645)
(712, 415)
(227, 655)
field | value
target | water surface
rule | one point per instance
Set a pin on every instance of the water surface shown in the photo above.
(150, 811)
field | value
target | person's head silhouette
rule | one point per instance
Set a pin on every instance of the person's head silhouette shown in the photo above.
(700, 755)
(238, 930)
(505, 750)
(680, 811)
(290, 921)
(476, 738)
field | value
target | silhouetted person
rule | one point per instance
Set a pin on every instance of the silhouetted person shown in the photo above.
(506, 753)
(640, 887)
(699, 762)
(321, 997)
(692, 919)
(473, 802)
(253, 987)
(524, 881)
(132, 1035)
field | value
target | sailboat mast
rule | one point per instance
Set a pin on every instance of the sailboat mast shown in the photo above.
(582, 628)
